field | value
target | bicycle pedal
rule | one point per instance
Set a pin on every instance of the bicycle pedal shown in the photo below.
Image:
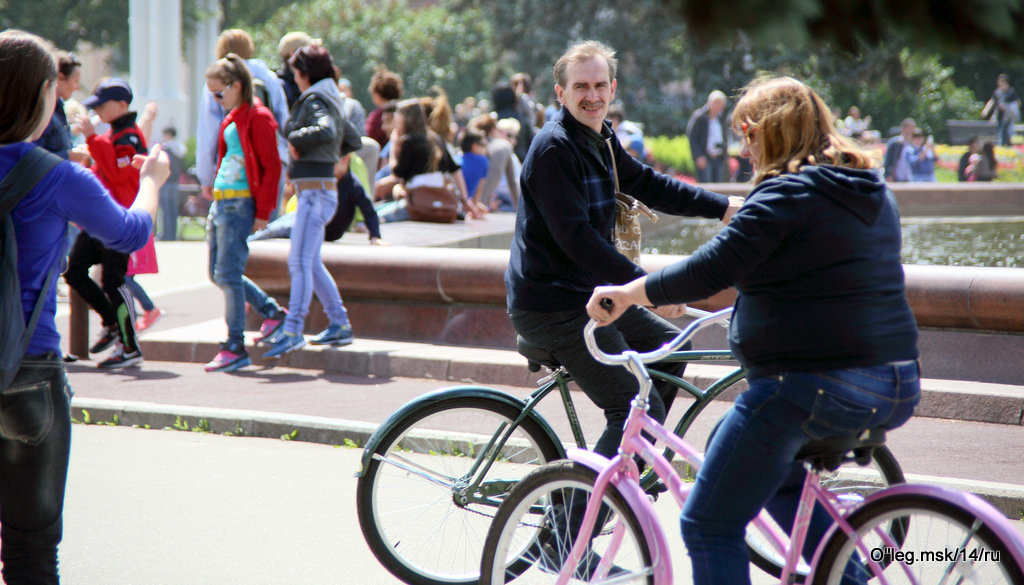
(656, 490)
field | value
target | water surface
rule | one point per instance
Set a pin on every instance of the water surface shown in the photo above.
(943, 241)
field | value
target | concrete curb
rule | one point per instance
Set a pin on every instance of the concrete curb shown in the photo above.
(1008, 498)
(948, 399)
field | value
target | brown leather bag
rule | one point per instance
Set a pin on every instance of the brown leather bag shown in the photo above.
(433, 204)
(626, 233)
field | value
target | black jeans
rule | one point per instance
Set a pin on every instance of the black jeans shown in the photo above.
(35, 441)
(610, 387)
(113, 302)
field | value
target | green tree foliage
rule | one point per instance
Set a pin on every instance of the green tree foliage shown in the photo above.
(887, 82)
(101, 23)
(988, 25)
(529, 35)
(429, 46)
(66, 22)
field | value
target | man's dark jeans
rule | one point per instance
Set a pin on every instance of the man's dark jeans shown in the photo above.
(112, 302)
(35, 439)
(610, 387)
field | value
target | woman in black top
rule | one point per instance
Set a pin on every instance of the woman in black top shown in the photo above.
(418, 157)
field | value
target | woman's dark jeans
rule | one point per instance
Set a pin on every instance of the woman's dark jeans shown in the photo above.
(35, 440)
(750, 464)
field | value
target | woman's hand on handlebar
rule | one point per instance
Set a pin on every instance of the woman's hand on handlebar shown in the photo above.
(620, 299)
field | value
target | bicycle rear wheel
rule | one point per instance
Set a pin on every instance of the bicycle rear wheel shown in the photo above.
(943, 543)
(537, 524)
(417, 506)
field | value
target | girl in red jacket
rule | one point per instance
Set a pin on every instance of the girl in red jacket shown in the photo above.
(244, 195)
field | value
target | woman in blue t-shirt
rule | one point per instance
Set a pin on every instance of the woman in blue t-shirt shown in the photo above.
(35, 419)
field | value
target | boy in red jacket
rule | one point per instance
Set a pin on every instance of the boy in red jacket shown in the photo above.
(112, 163)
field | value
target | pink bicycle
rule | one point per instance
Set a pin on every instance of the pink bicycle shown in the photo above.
(913, 534)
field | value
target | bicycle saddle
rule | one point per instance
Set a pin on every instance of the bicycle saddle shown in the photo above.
(535, 356)
(830, 453)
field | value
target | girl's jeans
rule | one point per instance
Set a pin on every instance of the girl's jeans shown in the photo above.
(227, 227)
(35, 439)
(309, 275)
(750, 463)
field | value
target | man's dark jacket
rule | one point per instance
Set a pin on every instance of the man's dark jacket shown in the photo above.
(562, 247)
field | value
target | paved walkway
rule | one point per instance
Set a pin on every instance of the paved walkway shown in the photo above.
(330, 395)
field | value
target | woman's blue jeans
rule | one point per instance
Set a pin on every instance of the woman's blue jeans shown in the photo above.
(35, 441)
(227, 227)
(315, 208)
(750, 463)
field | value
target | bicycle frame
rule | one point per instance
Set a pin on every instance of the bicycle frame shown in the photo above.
(621, 471)
(473, 486)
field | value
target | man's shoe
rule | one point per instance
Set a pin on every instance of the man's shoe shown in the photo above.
(287, 344)
(121, 359)
(270, 326)
(229, 359)
(147, 319)
(107, 338)
(334, 335)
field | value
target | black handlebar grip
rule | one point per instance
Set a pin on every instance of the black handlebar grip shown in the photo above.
(607, 304)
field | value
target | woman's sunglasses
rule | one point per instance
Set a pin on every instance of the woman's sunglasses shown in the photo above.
(219, 94)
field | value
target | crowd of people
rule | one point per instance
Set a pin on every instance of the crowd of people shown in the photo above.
(265, 138)
(345, 168)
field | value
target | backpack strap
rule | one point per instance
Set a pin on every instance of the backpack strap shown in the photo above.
(25, 174)
(28, 171)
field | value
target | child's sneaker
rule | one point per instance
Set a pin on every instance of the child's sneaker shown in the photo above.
(334, 335)
(147, 319)
(286, 344)
(270, 326)
(229, 359)
(107, 338)
(121, 359)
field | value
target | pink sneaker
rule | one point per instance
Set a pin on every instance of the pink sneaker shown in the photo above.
(147, 319)
(228, 359)
(270, 327)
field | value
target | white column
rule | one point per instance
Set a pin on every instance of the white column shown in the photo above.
(157, 70)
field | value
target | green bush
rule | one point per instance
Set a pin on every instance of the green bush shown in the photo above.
(672, 152)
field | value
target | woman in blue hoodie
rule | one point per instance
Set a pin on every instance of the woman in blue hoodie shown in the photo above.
(821, 321)
(315, 130)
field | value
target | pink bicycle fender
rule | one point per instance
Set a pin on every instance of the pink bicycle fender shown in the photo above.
(637, 500)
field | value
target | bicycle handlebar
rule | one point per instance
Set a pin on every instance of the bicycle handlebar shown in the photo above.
(704, 319)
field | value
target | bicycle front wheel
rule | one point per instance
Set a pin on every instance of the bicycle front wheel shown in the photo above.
(534, 531)
(432, 485)
(943, 543)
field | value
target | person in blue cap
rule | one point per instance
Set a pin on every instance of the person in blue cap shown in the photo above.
(112, 155)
